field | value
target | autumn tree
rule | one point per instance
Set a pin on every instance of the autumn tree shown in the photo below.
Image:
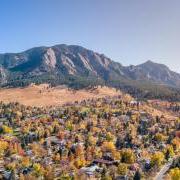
(175, 173)
(176, 143)
(39, 170)
(122, 169)
(25, 161)
(169, 152)
(159, 137)
(127, 156)
(108, 146)
(157, 159)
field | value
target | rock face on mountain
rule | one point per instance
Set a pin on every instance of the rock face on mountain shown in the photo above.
(62, 63)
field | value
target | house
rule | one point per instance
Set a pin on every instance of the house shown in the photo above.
(143, 113)
(3, 121)
(47, 161)
(103, 161)
(125, 177)
(2, 169)
(134, 103)
(7, 174)
(54, 140)
(134, 167)
(90, 171)
(16, 157)
(125, 118)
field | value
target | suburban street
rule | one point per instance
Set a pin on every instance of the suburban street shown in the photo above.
(163, 170)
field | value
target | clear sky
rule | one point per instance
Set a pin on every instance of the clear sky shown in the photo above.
(127, 31)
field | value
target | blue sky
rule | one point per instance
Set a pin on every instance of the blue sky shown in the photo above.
(127, 31)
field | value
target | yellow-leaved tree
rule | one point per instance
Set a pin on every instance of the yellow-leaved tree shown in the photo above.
(127, 156)
(157, 159)
(175, 173)
(122, 169)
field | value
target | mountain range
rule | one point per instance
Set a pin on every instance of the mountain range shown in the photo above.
(79, 67)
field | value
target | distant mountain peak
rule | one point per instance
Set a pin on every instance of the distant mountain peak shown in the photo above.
(152, 64)
(61, 61)
(149, 62)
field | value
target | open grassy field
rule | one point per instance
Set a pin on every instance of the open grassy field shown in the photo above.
(43, 95)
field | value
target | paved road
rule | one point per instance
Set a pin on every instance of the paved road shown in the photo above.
(163, 170)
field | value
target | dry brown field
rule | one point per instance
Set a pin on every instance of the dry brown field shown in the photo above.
(43, 95)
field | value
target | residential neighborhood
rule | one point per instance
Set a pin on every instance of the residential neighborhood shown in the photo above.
(105, 138)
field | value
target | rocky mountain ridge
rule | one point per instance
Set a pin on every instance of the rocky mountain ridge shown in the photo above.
(67, 64)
